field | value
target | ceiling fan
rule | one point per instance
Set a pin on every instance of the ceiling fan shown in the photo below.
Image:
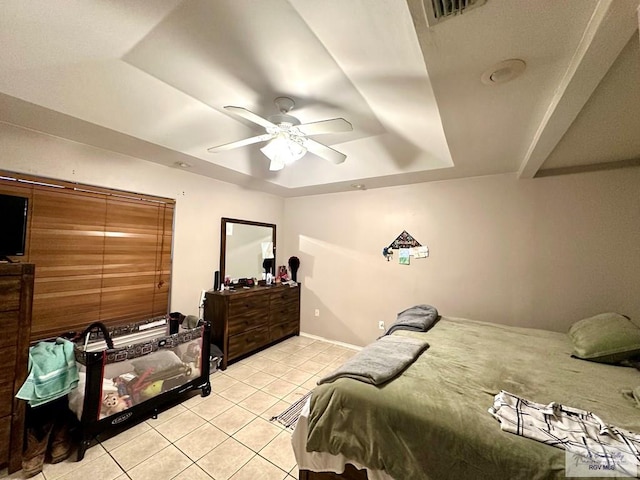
(288, 139)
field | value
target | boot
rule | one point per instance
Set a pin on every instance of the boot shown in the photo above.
(60, 445)
(37, 442)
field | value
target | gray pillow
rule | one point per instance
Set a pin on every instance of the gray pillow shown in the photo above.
(606, 338)
(158, 361)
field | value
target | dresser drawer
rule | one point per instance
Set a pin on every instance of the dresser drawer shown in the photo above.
(9, 328)
(276, 332)
(248, 341)
(247, 321)
(10, 293)
(283, 296)
(287, 312)
(247, 305)
(5, 437)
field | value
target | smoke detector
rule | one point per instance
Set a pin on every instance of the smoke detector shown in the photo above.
(503, 72)
(436, 11)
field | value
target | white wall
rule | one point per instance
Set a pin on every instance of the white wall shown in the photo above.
(200, 201)
(542, 252)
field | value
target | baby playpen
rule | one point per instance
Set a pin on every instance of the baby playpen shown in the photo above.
(131, 373)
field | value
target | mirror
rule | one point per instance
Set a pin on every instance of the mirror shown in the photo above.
(244, 246)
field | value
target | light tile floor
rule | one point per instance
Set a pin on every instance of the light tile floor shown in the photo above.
(227, 435)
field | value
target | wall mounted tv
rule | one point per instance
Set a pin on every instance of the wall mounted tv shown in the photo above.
(13, 222)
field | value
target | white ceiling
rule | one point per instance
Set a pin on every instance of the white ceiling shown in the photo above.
(150, 80)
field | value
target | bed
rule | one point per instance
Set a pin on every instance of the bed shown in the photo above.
(432, 421)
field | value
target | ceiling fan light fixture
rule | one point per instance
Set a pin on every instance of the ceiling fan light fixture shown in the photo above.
(288, 139)
(276, 165)
(283, 151)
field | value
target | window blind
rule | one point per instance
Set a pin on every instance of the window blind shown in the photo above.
(100, 254)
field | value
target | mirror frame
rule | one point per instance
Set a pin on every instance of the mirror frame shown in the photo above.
(223, 240)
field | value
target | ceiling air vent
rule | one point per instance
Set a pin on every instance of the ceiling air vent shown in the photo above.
(436, 11)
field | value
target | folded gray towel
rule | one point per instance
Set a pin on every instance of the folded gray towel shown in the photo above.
(380, 361)
(419, 318)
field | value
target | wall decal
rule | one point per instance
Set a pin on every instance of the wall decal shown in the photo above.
(407, 247)
(404, 240)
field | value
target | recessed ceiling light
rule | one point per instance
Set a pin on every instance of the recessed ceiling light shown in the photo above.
(182, 165)
(503, 72)
(357, 186)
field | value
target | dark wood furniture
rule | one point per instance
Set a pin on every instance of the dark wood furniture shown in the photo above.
(16, 297)
(350, 473)
(247, 319)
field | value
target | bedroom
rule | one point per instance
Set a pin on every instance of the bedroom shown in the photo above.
(539, 252)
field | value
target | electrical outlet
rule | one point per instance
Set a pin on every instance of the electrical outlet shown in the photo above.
(317, 312)
(381, 324)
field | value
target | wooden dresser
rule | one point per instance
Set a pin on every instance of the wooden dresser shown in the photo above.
(245, 320)
(16, 297)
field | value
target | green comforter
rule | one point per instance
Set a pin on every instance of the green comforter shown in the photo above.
(432, 421)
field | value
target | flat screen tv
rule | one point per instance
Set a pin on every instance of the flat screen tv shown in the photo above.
(13, 225)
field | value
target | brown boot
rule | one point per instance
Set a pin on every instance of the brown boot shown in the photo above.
(33, 456)
(60, 447)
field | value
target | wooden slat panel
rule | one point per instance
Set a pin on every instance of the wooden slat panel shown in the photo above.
(64, 313)
(67, 234)
(131, 237)
(72, 186)
(161, 294)
(10, 187)
(100, 253)
(127, 297)
(131, 260)
(126, 306)
(67, 244)
(161, 297)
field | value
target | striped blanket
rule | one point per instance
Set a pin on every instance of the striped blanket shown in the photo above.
(52, 372)
(289, 418)
(577, 431)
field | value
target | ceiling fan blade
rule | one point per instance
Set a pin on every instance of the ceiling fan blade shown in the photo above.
(333, 125)
(323, 151)
(240, 143)
(243, 112)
